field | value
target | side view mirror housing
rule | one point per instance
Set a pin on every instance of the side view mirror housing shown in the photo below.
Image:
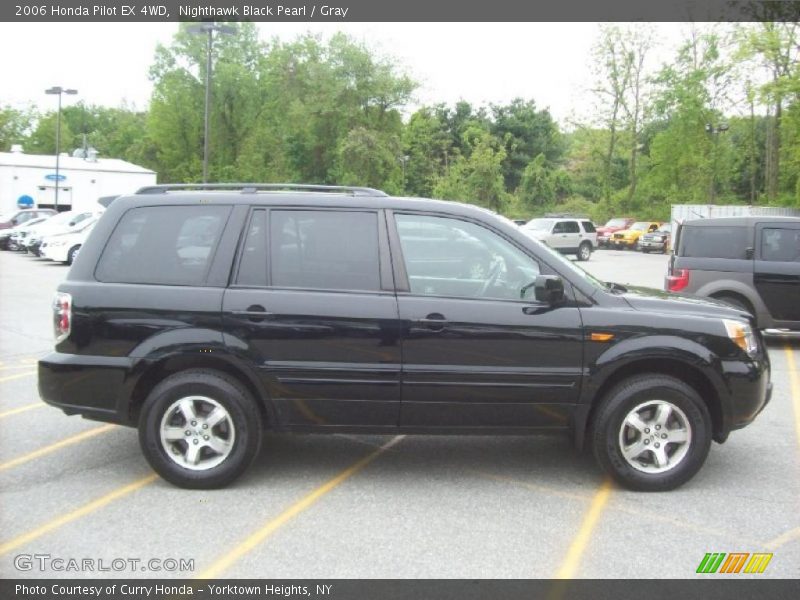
(548, 289)
(749, 253)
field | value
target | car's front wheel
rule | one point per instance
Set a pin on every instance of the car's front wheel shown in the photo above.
(200, 429)
(652, 433)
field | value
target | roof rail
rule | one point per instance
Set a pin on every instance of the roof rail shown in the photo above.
(565, 216)
(252, 188)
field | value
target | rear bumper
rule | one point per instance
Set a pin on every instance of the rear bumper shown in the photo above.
(92, 386)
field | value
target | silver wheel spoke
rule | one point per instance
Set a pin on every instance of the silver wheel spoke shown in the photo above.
(173, 434)
(216, 416)
(193, 454)
(218, 445)
(663, 413)
(186, 407)
(660, 456)
(635, 421)
(677, 435)
(635, 450)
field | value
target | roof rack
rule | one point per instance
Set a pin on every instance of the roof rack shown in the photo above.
(565, 216)
(252, 188)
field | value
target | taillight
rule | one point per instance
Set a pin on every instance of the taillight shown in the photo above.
(62, 315)
(678, 280)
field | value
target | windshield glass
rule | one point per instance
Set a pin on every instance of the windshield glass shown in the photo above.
(616, 223)
(640, 226)
(539, 224)
(665, 228)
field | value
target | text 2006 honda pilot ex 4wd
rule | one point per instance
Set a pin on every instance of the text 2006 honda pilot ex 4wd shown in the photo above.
(206, 315)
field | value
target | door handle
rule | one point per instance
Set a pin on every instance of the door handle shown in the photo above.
(434, 321)
(254, 312)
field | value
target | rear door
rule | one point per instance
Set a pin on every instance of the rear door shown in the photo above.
(776, 272)
(312, 307)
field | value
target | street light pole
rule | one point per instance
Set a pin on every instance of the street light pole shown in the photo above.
(208, 29)
(58, 90)
(714, 130)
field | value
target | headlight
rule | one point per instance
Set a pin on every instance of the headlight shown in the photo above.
(742, 335)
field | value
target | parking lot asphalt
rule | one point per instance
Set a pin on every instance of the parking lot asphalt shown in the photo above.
(378, 506)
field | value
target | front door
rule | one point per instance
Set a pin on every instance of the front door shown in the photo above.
(476, 355)
(776, 270)
(313, 308)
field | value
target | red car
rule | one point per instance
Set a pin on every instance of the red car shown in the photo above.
(605, 232)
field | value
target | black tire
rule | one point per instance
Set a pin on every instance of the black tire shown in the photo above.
(737, 302)
(645, 251)
(637, 246)
(73, 252)
(584, 251)
(243, 413)
(622, 400)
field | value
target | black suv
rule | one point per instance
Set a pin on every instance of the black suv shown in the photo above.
(205, 315)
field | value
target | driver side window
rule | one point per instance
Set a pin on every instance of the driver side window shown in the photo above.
(454, 258)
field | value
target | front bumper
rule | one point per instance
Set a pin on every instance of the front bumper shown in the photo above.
(92, 386)
(621, 243)
(749, 391)
(652, 245)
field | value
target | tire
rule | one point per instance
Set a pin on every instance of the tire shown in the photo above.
(636, 246)
(235, 437)
(645, 251)
(644, 395)
(736, 301)
(73, 252)
(584, 251)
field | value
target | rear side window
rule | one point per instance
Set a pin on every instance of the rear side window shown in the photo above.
(253, 264)
(780, 245)
(330, 250)
(168, 245)
(588, 226)
(566, 227)
(713, 242)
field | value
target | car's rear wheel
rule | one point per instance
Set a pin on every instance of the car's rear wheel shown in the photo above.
(200, 429)
(72, 254)
(584, 251)
(652, 433)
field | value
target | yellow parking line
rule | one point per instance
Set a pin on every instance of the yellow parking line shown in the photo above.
(21, 409)
(572, 561)
(794, 382)
(17, 376)
(75, 514)
(785, 538)
(20, 366)
(287, 515)
(15, 462)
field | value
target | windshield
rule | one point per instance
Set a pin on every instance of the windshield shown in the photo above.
(539, 224)
(665, 228)
(640, 226)
(616, 223)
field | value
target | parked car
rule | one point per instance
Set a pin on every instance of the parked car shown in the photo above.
(605, 232)
(752, 263)
(60, 223)
(629, 238)
(9, 237)
(520, 222)
(657, 240)
(282, 323)
(64, 247)
(567, 235)
(19, 217)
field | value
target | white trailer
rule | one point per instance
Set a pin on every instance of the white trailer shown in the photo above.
(688, 212)
(81, 181)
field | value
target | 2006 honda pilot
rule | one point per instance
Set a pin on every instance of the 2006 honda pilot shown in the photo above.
(206, 315)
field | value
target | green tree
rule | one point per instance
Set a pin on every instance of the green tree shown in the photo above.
(14, 125)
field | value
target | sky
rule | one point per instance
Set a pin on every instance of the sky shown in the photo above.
(479, 62)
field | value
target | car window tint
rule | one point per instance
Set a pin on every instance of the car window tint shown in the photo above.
(571, 227)
(560, 227)
(450, 257)
(170, 245)
(713, 242)
(780, 245)
(331, 250)
(588, 226)
(253, 262)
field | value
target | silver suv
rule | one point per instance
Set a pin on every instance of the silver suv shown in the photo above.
(568, 235)
(750, 262)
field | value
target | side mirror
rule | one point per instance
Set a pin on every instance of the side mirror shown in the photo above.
(548, 289)
(749, 253)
